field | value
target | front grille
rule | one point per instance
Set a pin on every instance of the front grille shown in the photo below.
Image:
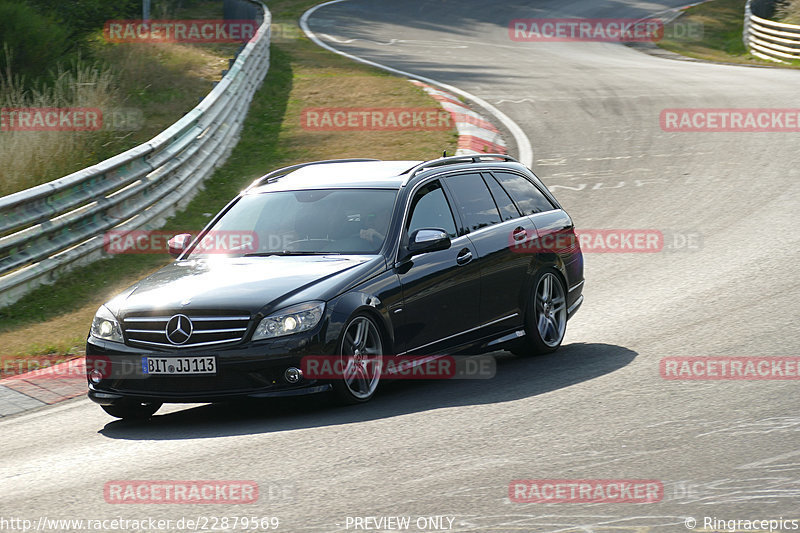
(207, 329)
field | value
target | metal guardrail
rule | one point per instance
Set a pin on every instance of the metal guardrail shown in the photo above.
(767, 39)
(49, 229)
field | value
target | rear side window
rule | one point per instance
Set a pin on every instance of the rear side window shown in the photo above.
(507, 208)
(528, 197)
(473, 202)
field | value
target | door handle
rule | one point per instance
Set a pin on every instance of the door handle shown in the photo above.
(464, 257)
(519, 233)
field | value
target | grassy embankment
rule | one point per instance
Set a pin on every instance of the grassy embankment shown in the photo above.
(720, 36)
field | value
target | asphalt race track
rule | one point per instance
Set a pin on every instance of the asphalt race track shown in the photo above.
(598, 409)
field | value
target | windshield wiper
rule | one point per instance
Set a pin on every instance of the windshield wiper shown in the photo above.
(289, 252)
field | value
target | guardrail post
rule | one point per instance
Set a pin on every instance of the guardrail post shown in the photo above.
(746, 27)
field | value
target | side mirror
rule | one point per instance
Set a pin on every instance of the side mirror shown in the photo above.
(178, 244)
(428, 240)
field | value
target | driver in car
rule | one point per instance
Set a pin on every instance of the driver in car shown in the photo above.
(375, 222)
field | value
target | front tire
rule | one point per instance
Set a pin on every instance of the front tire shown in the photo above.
(546, 315)
(361, 353)
(132, 411)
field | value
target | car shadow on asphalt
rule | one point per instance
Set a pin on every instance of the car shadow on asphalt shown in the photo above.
(516, 378)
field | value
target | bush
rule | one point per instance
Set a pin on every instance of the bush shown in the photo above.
(35, 41)
(86, 16)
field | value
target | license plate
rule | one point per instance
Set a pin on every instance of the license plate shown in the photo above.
(179, 365)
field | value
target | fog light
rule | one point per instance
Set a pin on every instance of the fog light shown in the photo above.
(95, 376)
(293, 375)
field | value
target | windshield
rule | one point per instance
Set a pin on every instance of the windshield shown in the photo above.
(323, 221)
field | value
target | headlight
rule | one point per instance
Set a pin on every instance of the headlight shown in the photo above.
(105, 325)
(290, 320)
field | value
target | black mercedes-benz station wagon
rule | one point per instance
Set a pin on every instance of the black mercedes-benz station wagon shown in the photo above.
(347, 259)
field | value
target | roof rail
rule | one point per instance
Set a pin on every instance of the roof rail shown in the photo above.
(275, 175)
(454, 160)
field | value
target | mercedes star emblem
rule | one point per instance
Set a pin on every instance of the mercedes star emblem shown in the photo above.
(179, 329)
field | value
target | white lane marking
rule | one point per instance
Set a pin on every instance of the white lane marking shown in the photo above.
(672, 13)
(350, 41)
(523, 100)
(522, 141)
(413, 42)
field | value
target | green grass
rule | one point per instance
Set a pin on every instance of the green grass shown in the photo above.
(720, 40)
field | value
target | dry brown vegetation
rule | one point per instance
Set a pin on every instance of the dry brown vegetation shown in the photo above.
(158, 83)
(788, 11)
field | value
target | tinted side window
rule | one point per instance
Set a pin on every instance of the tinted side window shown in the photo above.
(501, 198)
(473, 201)
(528, 197)
(429, 209)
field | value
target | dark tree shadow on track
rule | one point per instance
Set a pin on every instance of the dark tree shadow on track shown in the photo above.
(369, 29)
(516, 378)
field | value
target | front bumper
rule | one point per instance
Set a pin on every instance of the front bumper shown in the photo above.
(111, 398)
(251, 370)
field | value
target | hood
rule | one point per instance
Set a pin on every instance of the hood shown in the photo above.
(243, 284)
